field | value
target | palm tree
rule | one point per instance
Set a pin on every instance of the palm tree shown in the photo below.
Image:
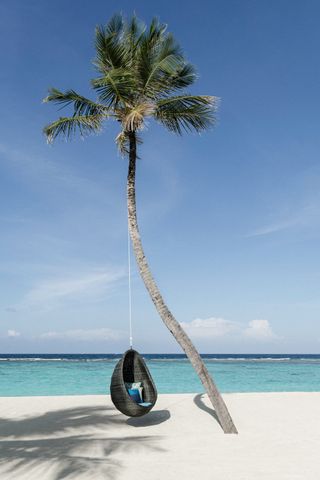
(142, 74)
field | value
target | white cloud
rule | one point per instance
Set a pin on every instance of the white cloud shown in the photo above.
(209, 328)
(42, 168)
(275, 227)
(303, 216)
(84, 335)
(259, 330)
(90, 284)
(212, 327)
(13, 333)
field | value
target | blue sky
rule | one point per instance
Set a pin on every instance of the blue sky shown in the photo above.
(230, 219)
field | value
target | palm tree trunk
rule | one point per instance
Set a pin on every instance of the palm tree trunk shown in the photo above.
(171, 323)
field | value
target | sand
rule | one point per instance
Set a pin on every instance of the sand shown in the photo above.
(84, 437)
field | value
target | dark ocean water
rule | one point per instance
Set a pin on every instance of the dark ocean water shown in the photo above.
(159, 356)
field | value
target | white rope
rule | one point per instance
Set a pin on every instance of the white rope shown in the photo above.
(129, 288)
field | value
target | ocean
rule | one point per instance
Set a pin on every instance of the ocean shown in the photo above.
(90, 374)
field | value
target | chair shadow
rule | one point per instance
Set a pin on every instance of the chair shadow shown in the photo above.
(152, 418)
(79, 442)
(200, 404)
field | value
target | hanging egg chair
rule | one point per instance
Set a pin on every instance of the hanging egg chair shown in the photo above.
(132, 371)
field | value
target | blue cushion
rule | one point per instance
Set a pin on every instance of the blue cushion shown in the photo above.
(145, 404)
(133, 385)
(134, 394)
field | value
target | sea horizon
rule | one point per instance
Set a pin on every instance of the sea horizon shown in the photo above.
(245, 354)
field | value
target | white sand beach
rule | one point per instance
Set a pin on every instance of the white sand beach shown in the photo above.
(84, 437)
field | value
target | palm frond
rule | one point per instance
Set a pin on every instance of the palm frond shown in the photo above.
(111, 50)
(148, 49)
(81, 105)
(183, 77)
(115, 25)
(133, 32)
(162, 67)
(117, 86)
(186, 112)
(67, 126)
(156, 31)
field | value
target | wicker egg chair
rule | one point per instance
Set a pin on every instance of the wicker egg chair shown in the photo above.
(132, 368)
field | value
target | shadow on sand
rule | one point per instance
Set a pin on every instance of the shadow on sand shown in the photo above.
(152, 418)
(78, 443)
(198, 400)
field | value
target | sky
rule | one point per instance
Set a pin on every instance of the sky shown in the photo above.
(229, 218)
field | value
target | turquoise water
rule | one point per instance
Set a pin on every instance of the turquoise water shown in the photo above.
(90, 374)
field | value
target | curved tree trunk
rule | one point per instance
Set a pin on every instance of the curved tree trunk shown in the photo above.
(171, 323)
